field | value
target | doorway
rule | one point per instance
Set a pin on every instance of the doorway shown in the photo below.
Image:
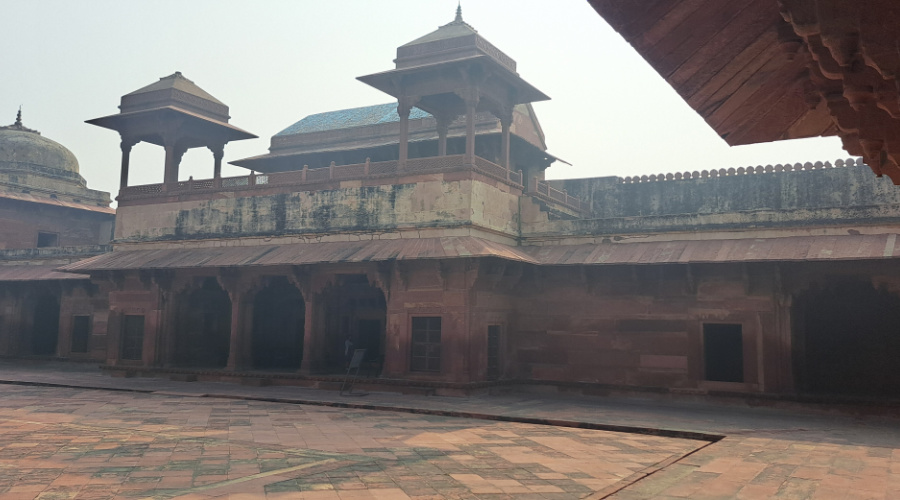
(204, 327)
(846, 342)
(45, 332)
(723, 352)
(279, 314)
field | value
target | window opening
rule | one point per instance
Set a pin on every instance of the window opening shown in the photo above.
(47, 240)
(723, 352)
(426, 344)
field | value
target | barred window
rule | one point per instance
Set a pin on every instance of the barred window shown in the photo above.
(426, 344)
(133, 337)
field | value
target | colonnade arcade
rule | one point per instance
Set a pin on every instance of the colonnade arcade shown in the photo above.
(285, 320)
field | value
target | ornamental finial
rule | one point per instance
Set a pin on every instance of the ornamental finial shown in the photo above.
(458, 13)
(18, 125)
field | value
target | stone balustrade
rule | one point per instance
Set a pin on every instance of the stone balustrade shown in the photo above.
(314, 178)
(543, 190)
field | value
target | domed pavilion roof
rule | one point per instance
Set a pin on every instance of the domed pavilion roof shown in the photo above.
(22, 147)
(32, 165)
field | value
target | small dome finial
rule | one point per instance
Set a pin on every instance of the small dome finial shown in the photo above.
(18, 124)
(458, 13)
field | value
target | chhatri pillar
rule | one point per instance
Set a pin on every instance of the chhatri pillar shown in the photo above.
(454, 71)
(404, 107)
(505, 124)
(125, 146)
(177, 115)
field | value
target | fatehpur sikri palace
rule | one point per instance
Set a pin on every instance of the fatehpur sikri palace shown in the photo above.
(424, 234)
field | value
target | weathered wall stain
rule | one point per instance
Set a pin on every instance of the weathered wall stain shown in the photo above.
(428, 203)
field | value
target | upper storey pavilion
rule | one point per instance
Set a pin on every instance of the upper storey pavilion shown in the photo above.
(450, 72)
(451, 85)
(176, 114)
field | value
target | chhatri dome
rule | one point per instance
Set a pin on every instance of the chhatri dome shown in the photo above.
(34, 165)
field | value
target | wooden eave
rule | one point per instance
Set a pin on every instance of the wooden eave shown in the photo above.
(143, 125)
(726, 62)
(389, 81)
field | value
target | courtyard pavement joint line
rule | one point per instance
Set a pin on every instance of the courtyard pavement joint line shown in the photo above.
(262, 475)
(651, 431)
(628, 429)
(631, 480)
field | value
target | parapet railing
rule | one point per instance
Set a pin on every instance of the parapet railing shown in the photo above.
(543, 190)
(312, 176)
(732, 172)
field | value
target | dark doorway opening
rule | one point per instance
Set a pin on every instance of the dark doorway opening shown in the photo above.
(847, 341)
(81, 333)
(279, 313)
(369, 338)
(493, 352)
(355, 310)
(45, 332)
(133, 337)
(204, 327)
(723, 352)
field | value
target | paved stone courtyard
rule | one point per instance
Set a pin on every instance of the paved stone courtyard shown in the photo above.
(60, 443)
(104, 438)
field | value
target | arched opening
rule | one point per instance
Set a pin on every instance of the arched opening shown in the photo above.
(146, 164)
(196, 163)
(203, 327)
(278, 320)
(45, 329)
(356, 311)
(847, 341)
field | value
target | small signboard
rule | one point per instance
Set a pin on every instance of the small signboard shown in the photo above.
(357, 359)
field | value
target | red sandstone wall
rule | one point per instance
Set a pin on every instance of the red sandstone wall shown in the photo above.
(79, 301)
(131, 297)
(642, 326)
(21, 221)
(431, 288)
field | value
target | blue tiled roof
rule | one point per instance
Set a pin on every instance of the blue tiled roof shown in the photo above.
(347, 118)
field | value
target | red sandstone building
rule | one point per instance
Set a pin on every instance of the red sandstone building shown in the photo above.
(48, 218)
(425, 233)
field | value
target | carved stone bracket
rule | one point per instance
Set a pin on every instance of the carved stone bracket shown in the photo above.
(853, 54)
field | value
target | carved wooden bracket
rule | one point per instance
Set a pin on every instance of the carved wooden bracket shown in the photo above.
(853, 54)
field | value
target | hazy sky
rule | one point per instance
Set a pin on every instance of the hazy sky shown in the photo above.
(275, 61)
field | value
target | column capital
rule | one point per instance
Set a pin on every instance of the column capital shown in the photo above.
(470, 95)
(405, 105)
(179, 152)
(505, 115)
(127, 143)
(217, 149)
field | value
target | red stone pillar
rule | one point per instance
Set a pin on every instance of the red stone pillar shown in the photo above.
(170, 175)
(218, 152)
(236, 355)
(443, 126)
(403, 109)
(505, 123)
(113, 337)
(309, 330)
(471, 104)
(126, 146)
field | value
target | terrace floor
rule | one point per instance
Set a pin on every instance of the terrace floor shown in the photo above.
(68, 431)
